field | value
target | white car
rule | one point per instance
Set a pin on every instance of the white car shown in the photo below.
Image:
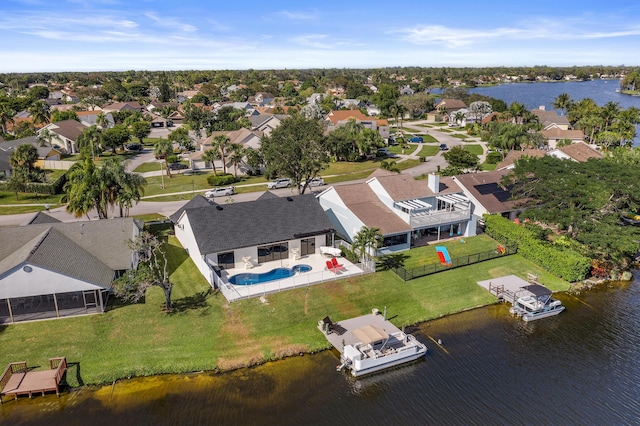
(279, 183)
(218, 192)
(317, 181)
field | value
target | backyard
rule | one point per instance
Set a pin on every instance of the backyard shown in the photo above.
(205, 332)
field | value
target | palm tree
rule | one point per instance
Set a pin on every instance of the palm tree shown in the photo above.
(222, 142)
(40, 113)
(516, 109)
(236, 157)
(102, 121)
(163, 149)
(6, 116)
(367, 240)
(45, 137)
(90, 139)
(609, 112)
(210, 156)
(562, 102)
(82, 192)
(459, 117)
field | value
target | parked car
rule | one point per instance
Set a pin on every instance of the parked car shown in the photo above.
(279, 183)
(416, 139)
(178, 166)
(392, 141)
(219, 192)
(317, 181)
(133, 147)
(383, 152)
(443, 147)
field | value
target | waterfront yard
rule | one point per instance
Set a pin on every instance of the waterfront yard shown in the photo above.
(205, 332)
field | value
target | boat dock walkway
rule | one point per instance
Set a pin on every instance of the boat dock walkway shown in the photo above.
(509, 288)
(18, 380)
(341, 332)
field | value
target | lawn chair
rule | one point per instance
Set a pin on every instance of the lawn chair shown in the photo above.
(330, 266)
(335, 264)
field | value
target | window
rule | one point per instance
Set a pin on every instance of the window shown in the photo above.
(395, 240)
(226, 260)
(273, 252)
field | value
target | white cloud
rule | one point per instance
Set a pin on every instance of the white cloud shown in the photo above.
(171, 23)
(297, 15)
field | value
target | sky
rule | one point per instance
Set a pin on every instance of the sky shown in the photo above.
(118, 35)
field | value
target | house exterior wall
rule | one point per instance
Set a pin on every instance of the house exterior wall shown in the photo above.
(19, 283)
(344, 221)
(184, 233)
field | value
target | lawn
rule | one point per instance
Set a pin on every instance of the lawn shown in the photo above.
(206, 333)
(474, 149)
(152, 166)
(428, 151)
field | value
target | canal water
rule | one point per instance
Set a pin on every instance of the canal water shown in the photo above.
(581, 367)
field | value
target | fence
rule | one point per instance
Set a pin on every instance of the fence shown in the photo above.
(421, 271)
(232, 292)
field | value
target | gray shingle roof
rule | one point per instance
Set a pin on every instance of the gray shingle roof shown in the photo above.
(252, 223)
(195, 202)
(41, 218)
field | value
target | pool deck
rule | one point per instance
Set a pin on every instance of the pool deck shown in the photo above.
(319, 273)
(343, 334)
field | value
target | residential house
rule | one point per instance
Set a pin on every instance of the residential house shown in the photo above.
(579, 151)
(350, 104)
(271, 228)
(266, 123)
(315, 98)
(446, 107)
(246, 138)
(123, 106)
(44, 153)
(551, 119)
(339, 118)
(512, 156)
(51, 269)
(487, 194)
(555, 134)
(185, 95)
(65, 133)
(90, 118)
(406, 90)
(404, 209)
(260, 99)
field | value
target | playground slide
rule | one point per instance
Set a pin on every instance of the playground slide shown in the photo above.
(443, 254)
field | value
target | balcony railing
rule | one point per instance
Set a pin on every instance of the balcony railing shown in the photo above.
(421, 220)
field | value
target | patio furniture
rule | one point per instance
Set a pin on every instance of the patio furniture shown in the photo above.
(331, 251)
(336, 265)
(247, 262)
(331, 267)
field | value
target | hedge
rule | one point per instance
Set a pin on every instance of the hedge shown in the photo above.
(562, 262)
(221, 179)
(50, 188)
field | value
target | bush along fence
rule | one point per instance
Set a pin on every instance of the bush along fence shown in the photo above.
(561, 262)
(421, 271)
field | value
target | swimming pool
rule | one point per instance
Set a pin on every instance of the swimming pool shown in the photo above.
(272, 275)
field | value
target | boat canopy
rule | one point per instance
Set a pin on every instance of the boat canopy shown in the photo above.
(369, 334)
(538, 290)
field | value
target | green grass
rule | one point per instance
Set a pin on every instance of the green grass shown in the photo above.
(205, 332)
(152, 166)
(474, 149)
(488, 167)
(428, 151)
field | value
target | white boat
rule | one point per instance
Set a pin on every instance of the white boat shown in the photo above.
(535, 307)
(377, 350)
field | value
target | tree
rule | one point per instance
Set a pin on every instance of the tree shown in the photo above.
(90, 140)
(236, 156)
(63, 115)
(367, 240)
(45, 137)
(38, 92)
(140, 130)
(152, 270)
(163, 149)
(164, 88)
(25, 156)
(295, 149)
(39, 112)
(182, 138)
(479, 110)
(385, 98)
(6, 116)
(254, 160)
(460, 160)
(210, 156)
(221, 144)
(102, 121)
(82, 190)
(562, 102)
(116, 136)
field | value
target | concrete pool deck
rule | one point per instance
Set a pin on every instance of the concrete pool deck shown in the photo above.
(319, 273)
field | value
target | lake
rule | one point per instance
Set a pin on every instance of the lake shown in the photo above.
(534, 95)
(581, 367)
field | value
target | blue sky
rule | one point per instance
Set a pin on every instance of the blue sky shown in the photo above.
(86, 35)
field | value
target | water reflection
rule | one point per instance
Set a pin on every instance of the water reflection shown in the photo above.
(579, 367)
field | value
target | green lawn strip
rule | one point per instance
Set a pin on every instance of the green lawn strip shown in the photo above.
(152, 166)
(7, 197)
(488, 167)
(474, 148)
(8, 210)
(459, 136)
(428, 151)
(205, 332)
(149, 142)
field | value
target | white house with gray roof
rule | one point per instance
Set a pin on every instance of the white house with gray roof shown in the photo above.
(51, 269)
(219, 236)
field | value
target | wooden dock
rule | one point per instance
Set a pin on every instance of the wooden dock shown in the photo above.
(511, 287)
(341, 333)
(18, 380)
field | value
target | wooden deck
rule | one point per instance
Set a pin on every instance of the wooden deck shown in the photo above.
(17, 380)
(343, 334)
(509, 288)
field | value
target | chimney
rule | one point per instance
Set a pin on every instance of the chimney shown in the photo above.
(434, 182)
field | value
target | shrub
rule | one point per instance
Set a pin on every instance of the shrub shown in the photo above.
(172, 159)
(494, 157)
(221, 179)
(562, 262)
(423, 158)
